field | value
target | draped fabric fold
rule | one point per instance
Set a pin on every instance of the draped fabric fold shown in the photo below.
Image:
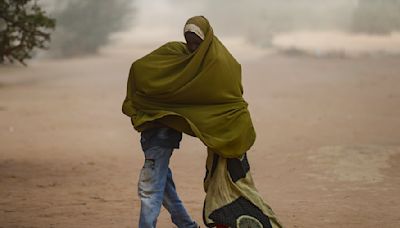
(198, 93)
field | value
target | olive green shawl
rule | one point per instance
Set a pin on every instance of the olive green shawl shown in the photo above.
(198, 93)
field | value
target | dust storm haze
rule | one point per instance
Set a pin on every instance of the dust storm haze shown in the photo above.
(349, 27)
(321, 78)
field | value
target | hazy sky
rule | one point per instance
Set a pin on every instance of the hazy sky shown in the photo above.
(259, 26)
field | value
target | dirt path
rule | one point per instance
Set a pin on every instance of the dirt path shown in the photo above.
(326, 155)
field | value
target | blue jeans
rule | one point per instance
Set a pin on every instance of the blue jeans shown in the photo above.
(157, 188)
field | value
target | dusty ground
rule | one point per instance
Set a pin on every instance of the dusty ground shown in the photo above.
(326, 155)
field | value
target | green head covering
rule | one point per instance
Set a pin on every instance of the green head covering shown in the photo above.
(198, 93)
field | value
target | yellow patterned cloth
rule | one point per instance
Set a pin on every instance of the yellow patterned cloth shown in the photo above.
(232, 198)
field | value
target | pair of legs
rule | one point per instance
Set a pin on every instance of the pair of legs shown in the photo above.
(156, 187)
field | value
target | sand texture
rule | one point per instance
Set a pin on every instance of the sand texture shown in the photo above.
(327, 152)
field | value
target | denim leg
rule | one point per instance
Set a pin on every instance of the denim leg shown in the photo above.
(151, 186)
(175, 207)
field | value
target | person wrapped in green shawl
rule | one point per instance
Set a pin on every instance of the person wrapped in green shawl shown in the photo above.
(196, 88)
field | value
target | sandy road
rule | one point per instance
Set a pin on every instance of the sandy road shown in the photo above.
(326, 155)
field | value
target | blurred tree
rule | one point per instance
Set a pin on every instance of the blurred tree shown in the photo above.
(23, 27)
(84, 26)
(377, 17)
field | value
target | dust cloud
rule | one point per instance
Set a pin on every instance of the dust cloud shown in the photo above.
(252, 28)
(85, 26)
(258, 27)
